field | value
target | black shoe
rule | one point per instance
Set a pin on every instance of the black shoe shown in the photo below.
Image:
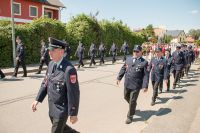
(71, 131)
(167, 90)
(160, 92)
(38, 73)
(174, 87)
(153, 103)
(2, 77)
(24, 76)
(129, 120)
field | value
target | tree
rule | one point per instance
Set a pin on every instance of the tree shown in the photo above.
(167, 38)
(148, 34)
(150, 30)
(197, 42)
(84, 28)
(194, 33)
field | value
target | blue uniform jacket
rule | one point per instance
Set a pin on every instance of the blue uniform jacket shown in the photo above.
(124, 48)
(20, 52)
(191, 56)
(136, 73)
(169, 64)
(44, 52)
(159, 69)
(178, 60)
(62, 88)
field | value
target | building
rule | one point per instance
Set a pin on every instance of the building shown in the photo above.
(190, 39)
(27, 10)
(177, 35)
(159, 32)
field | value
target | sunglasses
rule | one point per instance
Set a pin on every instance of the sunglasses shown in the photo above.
(136, 51)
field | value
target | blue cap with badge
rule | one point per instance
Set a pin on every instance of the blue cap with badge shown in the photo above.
(56, 44)
(137, 48)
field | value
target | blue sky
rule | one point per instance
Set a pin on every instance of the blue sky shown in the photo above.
(172, 14)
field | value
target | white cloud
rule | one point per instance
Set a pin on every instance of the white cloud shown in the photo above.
(194, 11)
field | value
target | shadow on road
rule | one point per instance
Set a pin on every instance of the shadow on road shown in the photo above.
(9, 101)
(80, 69)
(188, 84)
(165, 99)
(12, 79)
(177, 91)
(145, 115)
(36, 76)
(109, 64)
(90, 67)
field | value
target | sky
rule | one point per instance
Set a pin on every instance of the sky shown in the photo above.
(171, 14)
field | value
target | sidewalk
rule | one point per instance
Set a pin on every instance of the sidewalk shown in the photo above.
(34, 67)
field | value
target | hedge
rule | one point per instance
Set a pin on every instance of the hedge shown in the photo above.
(31, 35)
(82, 28)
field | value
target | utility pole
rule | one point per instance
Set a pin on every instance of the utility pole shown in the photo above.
(13, 32)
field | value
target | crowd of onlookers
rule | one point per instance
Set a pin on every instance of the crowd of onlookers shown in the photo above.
(149, 49)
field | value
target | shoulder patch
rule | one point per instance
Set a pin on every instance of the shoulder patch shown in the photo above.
(73, 79)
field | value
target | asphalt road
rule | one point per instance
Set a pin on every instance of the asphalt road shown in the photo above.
(102, 107)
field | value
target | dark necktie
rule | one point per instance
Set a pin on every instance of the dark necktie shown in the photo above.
(54, 67)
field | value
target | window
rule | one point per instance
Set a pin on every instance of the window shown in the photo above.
(33, 11)
(48, 13)
(17, 8)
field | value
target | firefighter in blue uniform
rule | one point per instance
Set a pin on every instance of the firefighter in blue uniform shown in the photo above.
(80, 54)
(20, 57)
(185, 53)
(67, 54)
(124, 49)
(92, 53)
(159, 71)
(136, 74)
(168, 58)
(102, 50)
(113, 51)
(44, 56)
(190, 59)
(62, 87)
(178, 62)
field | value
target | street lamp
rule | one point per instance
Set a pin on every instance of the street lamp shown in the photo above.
(13, 32)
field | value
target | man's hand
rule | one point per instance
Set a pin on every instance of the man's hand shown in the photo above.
(73, 119)
(145, 90)
(17, 58)
(118, 82)
(34, 106)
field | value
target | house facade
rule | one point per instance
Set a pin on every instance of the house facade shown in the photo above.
(178, 36)
(27, 10)
(190, 39)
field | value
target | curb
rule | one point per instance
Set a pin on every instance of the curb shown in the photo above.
(75, 63)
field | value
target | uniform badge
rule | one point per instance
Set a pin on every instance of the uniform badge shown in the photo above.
(161, 66)
(73, 79)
